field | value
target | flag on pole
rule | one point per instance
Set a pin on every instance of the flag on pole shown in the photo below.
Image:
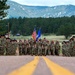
(38, 35)
(34, 34)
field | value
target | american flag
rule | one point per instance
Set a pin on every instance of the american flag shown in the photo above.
(34, 34)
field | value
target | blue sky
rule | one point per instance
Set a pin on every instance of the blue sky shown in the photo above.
(45, 2)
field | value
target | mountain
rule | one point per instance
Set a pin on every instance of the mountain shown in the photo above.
(17, 10)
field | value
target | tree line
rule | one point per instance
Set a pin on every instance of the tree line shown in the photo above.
(24, 26)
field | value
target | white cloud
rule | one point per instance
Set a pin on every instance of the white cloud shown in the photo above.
(45, 2)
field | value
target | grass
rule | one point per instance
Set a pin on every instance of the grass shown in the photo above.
(49, 37)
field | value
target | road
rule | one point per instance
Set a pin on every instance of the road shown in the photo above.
(37, 65)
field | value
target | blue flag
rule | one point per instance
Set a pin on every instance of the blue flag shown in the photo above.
(38, 35)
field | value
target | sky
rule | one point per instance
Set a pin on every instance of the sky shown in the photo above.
(45, 2)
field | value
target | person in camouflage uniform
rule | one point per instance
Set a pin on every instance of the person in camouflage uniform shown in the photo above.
(20, 47)
(31, 45)
(39, 44)
(49, 48)
(57, 48)
(8, 46)
(34, 48)
(72, 45)
(27, 47)
(43, 49)
(68, 48)
(52, 48)
(1, 51)
(64, 48)
(24, 47)
(2, 45)
(14, 46)
(44, 46)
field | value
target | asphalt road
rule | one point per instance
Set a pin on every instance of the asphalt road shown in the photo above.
(10, 63)
(66, 62)
(31, 65)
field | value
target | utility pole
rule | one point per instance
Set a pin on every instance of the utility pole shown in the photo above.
(8, 30)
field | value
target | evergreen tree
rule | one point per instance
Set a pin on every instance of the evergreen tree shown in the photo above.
(3, 8)
(65, 30)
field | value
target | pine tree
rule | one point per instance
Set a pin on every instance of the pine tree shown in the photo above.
(3, 8)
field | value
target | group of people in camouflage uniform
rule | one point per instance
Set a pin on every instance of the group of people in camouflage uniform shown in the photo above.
(68, 47)
(40, 47)
(28, 47)
(7, 46)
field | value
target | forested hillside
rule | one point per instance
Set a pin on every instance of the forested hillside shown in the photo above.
(25, 26)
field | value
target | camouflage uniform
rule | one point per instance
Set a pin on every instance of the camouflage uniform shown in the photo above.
(34, 49)
(46, 47)
(8, 48)
(43, 49)
(1, 50)
(3, 46)
(14, 46)
(63, 48)
(73, 48)
(20, 47)
(11, 47)
(23, 48)
(57, 48)
(66, 48)
(49, 49)
(0, 45)
(29, 49)
(31, 46)
(67, 53)
(52, 46)
(39, 44)
(26, 50)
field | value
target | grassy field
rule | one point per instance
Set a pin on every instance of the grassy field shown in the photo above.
(49, 37)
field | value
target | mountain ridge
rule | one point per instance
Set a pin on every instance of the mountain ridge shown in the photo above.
(17, 10)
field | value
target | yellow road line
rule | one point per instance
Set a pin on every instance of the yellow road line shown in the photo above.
(28, 69)
(56, 69)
